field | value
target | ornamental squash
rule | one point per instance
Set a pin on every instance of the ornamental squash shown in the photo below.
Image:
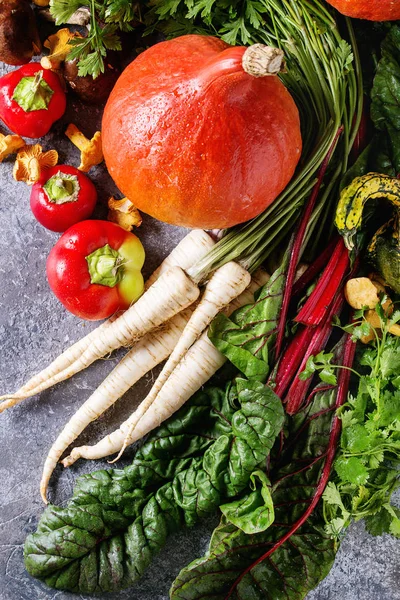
(384, 252)
(195, 132)
(373, 10)
(350, 208)
(384, 249)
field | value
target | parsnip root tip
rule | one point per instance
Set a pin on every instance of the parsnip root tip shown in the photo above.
(43, 494)
(120, 453)
(70, 459)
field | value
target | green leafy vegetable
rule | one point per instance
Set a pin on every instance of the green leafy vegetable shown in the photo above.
(232, 566)
(246, 338)
(366, 468)
(255, 511)
(117, 520)
(385, 108)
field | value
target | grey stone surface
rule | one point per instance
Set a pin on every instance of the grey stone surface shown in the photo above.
(34, 327)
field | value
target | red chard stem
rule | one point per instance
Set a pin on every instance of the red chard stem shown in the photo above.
(315, 268)
(329, 456)
(331, 280)
(297, 244)
(297, 392)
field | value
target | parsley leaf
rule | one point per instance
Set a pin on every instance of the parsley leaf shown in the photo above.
(320, 363)
(366, 468)
(107, 18)
(351, 470)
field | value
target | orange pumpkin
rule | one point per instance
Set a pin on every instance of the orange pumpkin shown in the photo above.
(193, 139)
(373, 10)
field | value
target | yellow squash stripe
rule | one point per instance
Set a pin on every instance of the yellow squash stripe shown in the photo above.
(353, 198)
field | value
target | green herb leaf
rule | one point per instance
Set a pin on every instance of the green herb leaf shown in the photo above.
(367, 464)
(106, 19)
(390, 362)
(385, 521)
(351, 470)
(62, 10)
(320, 363)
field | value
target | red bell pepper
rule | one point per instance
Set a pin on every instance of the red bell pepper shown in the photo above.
(94, 269)
(62, 197)
(31, 100)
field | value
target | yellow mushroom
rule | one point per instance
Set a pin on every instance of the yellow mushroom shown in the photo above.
(59, 47)
(9, 144)
(30, 162)
(91, 150)
(361, 292)
(124, 213)
(372, 317)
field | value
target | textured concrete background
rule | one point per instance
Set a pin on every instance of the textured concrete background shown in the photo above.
(34, 328)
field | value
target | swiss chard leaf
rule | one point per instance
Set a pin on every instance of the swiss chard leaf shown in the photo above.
(255, 511)
(234, 564)
(118, 519)
(246, 338)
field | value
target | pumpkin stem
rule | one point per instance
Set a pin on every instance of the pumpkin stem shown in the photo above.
(260, 60)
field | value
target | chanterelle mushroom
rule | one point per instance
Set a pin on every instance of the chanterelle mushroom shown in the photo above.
(9, 144)
(124, 213)
(31, 160)
(59, 47)
(91, 150)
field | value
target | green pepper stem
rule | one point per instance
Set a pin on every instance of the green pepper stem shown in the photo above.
(33, 93)
(106, 266)
(62, 188)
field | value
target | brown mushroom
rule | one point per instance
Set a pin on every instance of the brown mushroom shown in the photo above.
(59, 46)
(19, 38)
(89, 90)
(124, 213)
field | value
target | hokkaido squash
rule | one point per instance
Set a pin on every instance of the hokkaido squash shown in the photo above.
(192, 138)
(373, 10)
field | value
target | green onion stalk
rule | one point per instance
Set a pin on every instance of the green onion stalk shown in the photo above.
(324, 77)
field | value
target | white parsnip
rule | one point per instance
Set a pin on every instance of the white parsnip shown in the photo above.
(147, 353)
(226, 284)
(193, 247)
(198, 365)
(57, 371)
(170, 294)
